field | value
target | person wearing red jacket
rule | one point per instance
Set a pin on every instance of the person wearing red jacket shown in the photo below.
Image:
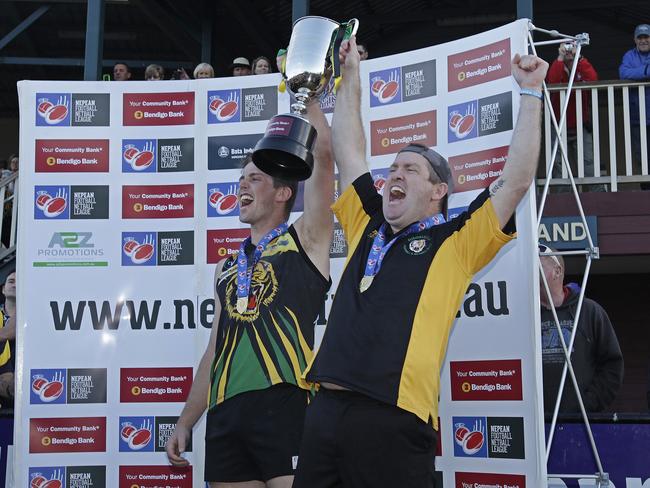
(559, 72)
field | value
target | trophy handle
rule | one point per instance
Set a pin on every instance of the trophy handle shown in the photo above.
(355, 26)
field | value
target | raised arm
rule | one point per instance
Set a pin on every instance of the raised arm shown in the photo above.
(198, 398)
(507, 191)
(348, 138)
(315, 225)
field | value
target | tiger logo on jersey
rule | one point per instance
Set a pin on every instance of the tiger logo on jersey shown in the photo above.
(263, 289)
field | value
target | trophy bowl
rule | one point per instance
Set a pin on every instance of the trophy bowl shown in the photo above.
(285, 150)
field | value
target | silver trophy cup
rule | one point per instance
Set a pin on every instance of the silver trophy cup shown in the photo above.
(285, 149)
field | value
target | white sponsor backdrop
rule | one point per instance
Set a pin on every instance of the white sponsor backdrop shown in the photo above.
(172, 342)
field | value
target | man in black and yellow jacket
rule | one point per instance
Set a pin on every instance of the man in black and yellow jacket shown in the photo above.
(374, 419)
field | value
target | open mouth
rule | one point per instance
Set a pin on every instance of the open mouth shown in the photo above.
(245, 200)
(397, 193)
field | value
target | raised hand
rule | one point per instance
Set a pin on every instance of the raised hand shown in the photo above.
(529, 71)
(348, 54)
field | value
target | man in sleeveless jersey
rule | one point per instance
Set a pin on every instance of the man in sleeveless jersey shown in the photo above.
(374, 419)
(267, 298)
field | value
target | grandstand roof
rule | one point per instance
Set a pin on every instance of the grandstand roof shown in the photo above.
(169, 32)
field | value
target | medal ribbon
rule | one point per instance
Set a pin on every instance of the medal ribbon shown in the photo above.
(379, 248)
(244, 272)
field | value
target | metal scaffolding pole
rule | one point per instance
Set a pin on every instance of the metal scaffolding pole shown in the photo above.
(300, 8)
(94, 40)
(591, 253)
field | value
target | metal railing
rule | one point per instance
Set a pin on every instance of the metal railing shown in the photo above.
(8, 216)
(613, 160)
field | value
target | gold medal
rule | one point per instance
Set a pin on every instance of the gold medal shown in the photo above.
(242, 304)
(366, 281)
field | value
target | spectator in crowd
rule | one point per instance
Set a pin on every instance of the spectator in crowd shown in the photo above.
(635, 66)
(4, 170)
(121, 72)
(261, 65)
(12, 163)
(596, 355)
(559, 72)
(7, 341)
(203, 70)
(154, 72)
(363, 51)
(240, 67)
(180, 74)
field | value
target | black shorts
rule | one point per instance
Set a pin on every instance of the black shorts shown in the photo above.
(255, 435)
(354, 441)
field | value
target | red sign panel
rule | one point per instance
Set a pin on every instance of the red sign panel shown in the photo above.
(477, 170)
(225, 242)
(486, 380)
(475, 480)
(74, 434)
(140, 385)
(388, 136)
(479, 65)
(71, 156)
(158, 108)
(157, 201)
(155, 477)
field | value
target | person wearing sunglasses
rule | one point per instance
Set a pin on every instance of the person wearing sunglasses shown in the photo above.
(596, 355)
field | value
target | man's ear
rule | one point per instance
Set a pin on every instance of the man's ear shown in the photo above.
(283, 194)
(439, 191)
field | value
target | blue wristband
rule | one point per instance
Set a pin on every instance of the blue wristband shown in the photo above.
(532, 93)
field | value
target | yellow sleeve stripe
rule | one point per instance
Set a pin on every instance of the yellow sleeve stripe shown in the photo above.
(353, 218)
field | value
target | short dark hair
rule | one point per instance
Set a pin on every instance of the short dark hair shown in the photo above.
(128, 68)
(278, 183)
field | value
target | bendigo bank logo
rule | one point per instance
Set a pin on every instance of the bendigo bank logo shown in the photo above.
(479, 118)
(154, 385)
(69, 434)
(486, 380)
(223, 243)
(480, 65)
(223, 200)
(71, 156)
(155, 477)
(174, 108)
(477, 170)
(476, 480)
(157, 201)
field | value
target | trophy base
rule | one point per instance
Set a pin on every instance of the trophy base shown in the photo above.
(285, 149)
